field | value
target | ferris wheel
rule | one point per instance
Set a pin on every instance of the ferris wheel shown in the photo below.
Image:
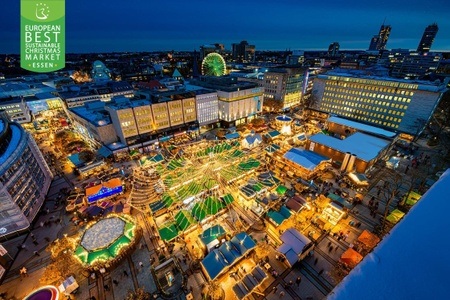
(213, 65)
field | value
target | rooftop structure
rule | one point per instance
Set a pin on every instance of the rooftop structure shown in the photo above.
(379, 41)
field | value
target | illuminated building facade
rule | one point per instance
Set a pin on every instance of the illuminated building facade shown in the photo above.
(379, 41)
(333, 49)
(24, 178)
(394, 104)
(207, 107)
(284, 85)
(427, 38)
(93, 122)
(238, 101)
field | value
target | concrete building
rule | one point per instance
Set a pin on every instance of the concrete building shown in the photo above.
(428, 38)
(238, 102)
(76, 95)
(284, 84)
(243, 52)
(393, 104)
(21, 97)
(416, 65)
(93, 122)
(24, 178)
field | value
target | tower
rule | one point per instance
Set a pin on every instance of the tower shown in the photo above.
(427, 38)
(379, 41)
(333, 49)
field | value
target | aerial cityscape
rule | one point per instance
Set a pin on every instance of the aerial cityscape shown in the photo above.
(212, 159)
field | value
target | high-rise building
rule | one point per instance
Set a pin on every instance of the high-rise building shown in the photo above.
(390, 103)
(428, 38)
(379, 41)
(211, 48)
(284, 85)
(333, 49)
(243, 52)
(24, 178)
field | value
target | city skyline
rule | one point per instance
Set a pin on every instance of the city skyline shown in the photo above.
(145, 26)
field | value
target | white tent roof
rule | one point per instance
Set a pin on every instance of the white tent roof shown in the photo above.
(413, 261)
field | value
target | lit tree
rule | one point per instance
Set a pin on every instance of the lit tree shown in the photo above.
(139, 294)
(63, 263)
(393, 182)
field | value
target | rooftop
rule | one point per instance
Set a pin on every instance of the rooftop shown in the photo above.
(362, 127)
(305, 158)
(365, 147)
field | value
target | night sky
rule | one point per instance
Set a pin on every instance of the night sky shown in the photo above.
(152, 25)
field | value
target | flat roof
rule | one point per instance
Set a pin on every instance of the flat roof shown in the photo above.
(362, 127)
(364, 146)
(305, 158)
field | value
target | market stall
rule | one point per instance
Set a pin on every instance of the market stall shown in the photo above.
(351, 258)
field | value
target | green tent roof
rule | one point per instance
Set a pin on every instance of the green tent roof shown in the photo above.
(395, 216)
(168, 232)
(184, 220)
(412, 199)
(199, 211)
(82, 254)
(281, 190)
(167, 200)
(118, 244)
(213, 205)
(98, 255)
(228, 199)
(211, 234)
(129, 230)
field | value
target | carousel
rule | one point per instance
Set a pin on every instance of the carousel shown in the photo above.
(106, 241)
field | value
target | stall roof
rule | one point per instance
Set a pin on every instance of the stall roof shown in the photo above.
(231, 136)
(362, 127)
(295, 240)
(364, 146)
(305, 158)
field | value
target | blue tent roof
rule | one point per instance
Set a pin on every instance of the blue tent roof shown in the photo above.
(229, 252)
(243, 242)
(231, 136)
(289, 253)
(285, 212)
(214, 264)
(305, 158)
(220, 259)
